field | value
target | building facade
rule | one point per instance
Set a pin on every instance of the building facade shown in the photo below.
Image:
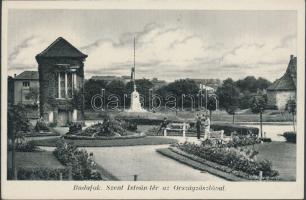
(61, 80)
(283, 89)
(25, 83)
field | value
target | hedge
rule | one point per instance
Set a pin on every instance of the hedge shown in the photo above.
(229, 128)
(84, 137)
(290, 136)
(41, 174)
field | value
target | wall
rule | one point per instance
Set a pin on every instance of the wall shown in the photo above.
(282, 98)
(20, 91)
(47, 73)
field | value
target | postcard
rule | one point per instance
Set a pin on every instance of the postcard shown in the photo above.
(152, 99)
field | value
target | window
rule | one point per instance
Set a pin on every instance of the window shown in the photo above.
(64, 85)
(26, 84)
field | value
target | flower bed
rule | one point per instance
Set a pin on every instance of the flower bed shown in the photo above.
(79, 160)
(231, 157)
(109, 127)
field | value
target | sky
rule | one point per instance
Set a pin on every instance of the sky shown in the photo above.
(170, 44)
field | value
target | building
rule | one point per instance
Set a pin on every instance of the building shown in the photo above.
(212, 83)
(158, 83)
(284, 88)
(24, 83)
(61, 79)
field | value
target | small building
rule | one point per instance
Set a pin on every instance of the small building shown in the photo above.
(24, 83)
(61, 80)
(283, 89)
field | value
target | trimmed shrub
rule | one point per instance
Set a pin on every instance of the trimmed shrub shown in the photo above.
(290, 136)
(230, 128)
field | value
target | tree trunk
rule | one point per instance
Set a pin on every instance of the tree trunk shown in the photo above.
(210, 115)
(260, 124)
(234, 118)
(293, 122)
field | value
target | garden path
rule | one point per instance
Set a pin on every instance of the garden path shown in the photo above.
(124, 162)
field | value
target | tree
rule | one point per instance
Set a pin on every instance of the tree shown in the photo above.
(33, 94)
(182, 87)
(91, 88)
(211, 104)
(291, 106)
(229, 95)
(258, 104)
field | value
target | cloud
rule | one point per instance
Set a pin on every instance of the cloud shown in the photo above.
(171, 52)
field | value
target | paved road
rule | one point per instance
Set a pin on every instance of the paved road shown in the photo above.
(149, 165)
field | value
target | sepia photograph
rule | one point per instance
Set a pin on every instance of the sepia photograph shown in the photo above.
(182, 95)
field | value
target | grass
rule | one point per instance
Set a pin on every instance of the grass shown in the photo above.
(37, 159)
(283, 158)
(109, 143)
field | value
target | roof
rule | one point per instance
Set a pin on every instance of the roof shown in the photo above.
(61, 48)
(27, 75)
(288, 80)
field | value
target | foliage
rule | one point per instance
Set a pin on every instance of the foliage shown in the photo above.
(258, 104)
(91, 88)
(290, 136)
(41, 126)
(230, 128)
(251, 84)
(79, 160)
(291, 106)
(41, 174)
(33, 94)
(229, 95)
(29, 146)
(230, 157)
(110, 127)
(75, 128)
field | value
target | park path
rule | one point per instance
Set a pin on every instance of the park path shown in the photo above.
(124, 162)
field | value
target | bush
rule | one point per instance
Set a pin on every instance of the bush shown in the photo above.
(41, 126)
(230, 128)
(41, 174)
(75, 128)
(79, 160)
(26, 147)
(230, 157)
(290, 136)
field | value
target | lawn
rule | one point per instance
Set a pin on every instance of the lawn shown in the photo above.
(109, 143)
(37, 159)
(283, 158)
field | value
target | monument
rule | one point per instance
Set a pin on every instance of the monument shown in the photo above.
(135, 97)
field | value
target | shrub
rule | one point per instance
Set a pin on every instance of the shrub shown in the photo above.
(41, 174)
(41, 126)
(79, 160)
(290, 136)
(75, 128)
(26, 147)
(231, 157)
(230, 128)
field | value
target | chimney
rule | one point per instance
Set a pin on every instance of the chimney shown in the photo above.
(291, 57)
